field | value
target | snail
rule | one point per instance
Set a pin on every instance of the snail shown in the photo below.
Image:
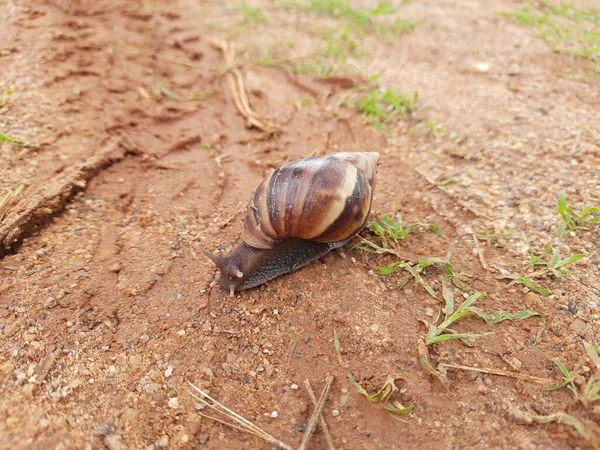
(304, 209)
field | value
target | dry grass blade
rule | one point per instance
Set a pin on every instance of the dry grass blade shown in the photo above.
(312, 423)
(502, 373)
(236, 84)
(480, 254)
(559, 417)
(241, 423)
(322, 422)
(338, 350)
(423, 350)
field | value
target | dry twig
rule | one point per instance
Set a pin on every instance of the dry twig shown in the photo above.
(240, 423)
(480, 254)
(322, 422)
(502, 373)
(312, 423)
(236, 84)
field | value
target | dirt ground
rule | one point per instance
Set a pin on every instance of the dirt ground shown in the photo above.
(136, 155)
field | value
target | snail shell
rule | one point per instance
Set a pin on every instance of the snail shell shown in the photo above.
(303, 210)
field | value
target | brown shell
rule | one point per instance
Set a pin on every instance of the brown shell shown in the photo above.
(323, 199)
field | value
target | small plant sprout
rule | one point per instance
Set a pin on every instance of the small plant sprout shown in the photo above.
(564, 27)
(442, 332)
(416, 270)
(429, 126)
(383, 396)
(555, 265)
(11, 140)
(551, 263)
(389, 232)
(572, 219)
(527, 282)
(252, 15)
(380, 106)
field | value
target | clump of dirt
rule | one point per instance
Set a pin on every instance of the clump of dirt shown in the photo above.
(134, 143)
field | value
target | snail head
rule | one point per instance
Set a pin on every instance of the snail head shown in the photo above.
(231, 277)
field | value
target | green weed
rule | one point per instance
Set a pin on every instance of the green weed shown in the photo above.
(447, 181)
(398, 27)
(344, 9)
(564, 27)
(528, 282)
(380, 106)
(429, 126)
(11, 140)
(442, 332)
(252, 15)
(572, 219)
(554, 265)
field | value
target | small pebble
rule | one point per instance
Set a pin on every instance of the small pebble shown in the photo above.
(174, 403)
(181, 332)
(294, 386)
(163, 442)
(274, 414)
(169, 371)
(335, 413)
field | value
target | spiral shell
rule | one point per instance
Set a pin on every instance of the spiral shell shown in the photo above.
(322, 199)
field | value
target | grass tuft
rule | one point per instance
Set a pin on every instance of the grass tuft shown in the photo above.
(572, 219)
(380, 106)
(563, 27)
(252, 15)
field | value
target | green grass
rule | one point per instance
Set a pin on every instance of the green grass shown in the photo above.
(564, 27)
(573, 219)
(443, 332)
(527, 282)
(429, 126)
(380, 106)
(447, 181)
(343, 8)
(398, 27)
(340, 45)
(11, 140)
(387, 228)
(551, 263)
(252, 15)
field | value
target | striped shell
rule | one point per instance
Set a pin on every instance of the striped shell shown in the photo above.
(323, 199)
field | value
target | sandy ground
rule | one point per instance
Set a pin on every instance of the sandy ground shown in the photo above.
(136, 156)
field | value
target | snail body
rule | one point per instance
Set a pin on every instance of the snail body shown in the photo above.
(303, 210)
